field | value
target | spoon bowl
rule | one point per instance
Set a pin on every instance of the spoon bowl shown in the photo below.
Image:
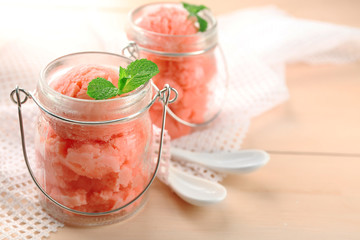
(194, 190)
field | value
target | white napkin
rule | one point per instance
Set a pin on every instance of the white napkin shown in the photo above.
(257, 44)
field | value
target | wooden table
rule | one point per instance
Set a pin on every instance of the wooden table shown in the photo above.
(311, 187)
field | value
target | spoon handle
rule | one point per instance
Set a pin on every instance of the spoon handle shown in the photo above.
(242, 161)
(184, 155)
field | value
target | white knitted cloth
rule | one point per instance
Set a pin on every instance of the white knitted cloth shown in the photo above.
(256, 47)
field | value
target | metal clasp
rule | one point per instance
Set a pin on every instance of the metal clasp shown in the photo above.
(131, 51)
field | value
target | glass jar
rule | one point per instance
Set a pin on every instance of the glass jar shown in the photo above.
(93, 169)
(192, 63)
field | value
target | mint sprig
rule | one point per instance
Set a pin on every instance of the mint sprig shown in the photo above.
(136, 74)
(193, 11)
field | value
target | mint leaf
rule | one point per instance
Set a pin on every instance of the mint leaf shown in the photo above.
(202, 24)
(122, 73)
(123, 77)
(193, 11)
(138, 72)
(100, 88)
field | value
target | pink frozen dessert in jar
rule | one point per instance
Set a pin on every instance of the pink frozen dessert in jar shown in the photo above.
(92, 168)
(188, 60)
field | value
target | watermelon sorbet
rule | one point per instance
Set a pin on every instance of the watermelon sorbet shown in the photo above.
(92, 168)
(170, 29)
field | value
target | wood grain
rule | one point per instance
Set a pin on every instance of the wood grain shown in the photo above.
(321, 116)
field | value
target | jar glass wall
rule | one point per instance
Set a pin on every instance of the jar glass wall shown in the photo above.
(92, 168)
(192, 63)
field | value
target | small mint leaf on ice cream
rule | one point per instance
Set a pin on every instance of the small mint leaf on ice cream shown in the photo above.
(193, 11)
(136, 74)
(100, 88)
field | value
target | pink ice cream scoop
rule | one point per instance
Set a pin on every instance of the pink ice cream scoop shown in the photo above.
(92, 169)
(167, 20)
(74, 83)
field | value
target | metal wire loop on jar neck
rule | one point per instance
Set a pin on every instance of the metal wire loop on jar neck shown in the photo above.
(132, 51)
(163, 95)
(166, 97)
(160, 95)
(27, 95)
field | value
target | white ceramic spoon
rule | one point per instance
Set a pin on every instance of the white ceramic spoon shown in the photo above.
(242, 161)
(195, 190)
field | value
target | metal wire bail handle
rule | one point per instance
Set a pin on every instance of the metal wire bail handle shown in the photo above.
(132, 51)
(164, 97)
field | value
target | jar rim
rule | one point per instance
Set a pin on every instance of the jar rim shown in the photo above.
(46, 86)
(208, 13)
